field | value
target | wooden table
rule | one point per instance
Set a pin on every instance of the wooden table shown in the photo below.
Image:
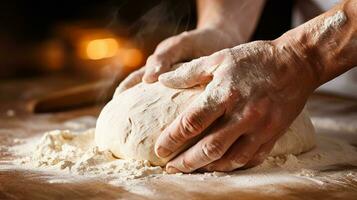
(16, 121)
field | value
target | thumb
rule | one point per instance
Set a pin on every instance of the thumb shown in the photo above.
(189, 74)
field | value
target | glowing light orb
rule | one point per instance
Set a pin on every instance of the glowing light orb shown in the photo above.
(102, 48)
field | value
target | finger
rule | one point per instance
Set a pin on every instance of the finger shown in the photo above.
(193, 121)
(244, 149)
(212, 147)
(156, 65)
(240, 153)
(209, 106)
(267, 136)
(190, 74)
(130, 81)
(238, 123)
(169, 52)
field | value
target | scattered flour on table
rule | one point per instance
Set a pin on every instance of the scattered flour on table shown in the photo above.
(76, 152)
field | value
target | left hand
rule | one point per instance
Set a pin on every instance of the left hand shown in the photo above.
(254, 93)
(221, 24)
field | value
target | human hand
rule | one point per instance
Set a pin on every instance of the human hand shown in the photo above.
(179, 48)
(221, 24)
(254, 93)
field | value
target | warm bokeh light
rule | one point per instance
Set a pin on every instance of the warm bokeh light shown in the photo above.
(130, 57)
(102, 48)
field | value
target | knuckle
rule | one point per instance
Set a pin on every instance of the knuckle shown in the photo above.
(254, 113)
(185, 164)
(213, 150)
(191, 125)
(232, 93)
(174, 139)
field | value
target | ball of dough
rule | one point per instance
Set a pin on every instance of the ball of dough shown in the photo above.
(131, 122)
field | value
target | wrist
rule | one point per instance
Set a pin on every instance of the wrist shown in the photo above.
(326, 44)
(230, 16)
(300, 58)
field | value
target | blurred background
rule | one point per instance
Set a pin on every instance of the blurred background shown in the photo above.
(86, 38)
(90, 40)
(96, 39)
(60, 55)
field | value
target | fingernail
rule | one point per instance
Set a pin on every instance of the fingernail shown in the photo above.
(172, 170)
(163, 152)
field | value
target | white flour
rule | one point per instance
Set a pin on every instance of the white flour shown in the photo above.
(70, 153)
(329, 25)
(334, 22)
(76, 153)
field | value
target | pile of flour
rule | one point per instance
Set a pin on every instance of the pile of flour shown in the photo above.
(75, 152)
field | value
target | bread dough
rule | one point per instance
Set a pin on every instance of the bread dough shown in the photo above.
(131, 122)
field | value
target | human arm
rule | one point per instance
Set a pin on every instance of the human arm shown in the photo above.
(254, 92)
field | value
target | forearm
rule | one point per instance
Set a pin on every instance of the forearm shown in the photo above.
(327, 43)
(238, 16)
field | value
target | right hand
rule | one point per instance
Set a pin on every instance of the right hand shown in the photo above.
(253, 93)
(183, 47)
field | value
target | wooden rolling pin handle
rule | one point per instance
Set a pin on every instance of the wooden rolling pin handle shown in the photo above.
(80, 96)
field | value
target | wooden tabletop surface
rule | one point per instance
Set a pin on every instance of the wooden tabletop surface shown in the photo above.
(17, 121)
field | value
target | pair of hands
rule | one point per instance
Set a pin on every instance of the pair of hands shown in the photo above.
(253, 93)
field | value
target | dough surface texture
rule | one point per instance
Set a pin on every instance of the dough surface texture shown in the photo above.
(131, 122)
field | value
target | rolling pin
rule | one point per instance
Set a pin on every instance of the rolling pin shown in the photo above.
(75, 97)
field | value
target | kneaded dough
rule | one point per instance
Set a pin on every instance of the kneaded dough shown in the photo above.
(131, 122)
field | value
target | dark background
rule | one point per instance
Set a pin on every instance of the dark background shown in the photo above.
(25, 24)
(33, 20)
